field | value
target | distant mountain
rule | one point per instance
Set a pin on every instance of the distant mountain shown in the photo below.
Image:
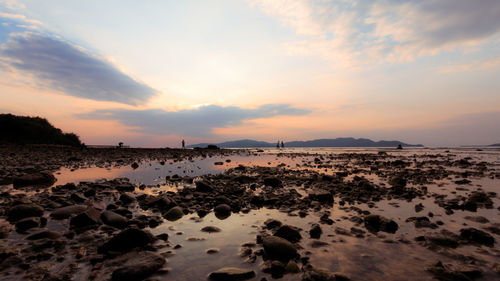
(33, 130)
(496, 144)
(338, 142)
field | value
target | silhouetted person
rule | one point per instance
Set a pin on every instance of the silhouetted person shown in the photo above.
(282, 144)
(278, 144)
(120, 144)
(400, 146)
(183, 144)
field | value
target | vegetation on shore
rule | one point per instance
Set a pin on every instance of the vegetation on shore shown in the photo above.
(33, 130)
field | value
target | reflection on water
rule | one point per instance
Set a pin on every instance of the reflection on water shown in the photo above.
(373, 257)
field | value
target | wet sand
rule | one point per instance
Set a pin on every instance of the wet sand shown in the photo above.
(166, 214)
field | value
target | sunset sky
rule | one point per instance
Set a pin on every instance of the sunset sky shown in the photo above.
(150, 73)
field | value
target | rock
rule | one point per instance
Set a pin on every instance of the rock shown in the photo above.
(315, 231)
(446, 273)
(477, 236)
(134, 165)
(88, 218)
(419, 207)
(127, 240)
(35, 179)
(22, 211)
(27, 223)
(222, 211)
(212, 251)
(78, 197)
(125, 187)
(44, 234)
(376, 223)
(272, 223)
(273, 182)
(139, 267)
(292, 267)
(275, 268)
(162, 236)
(290, 233)
(279, 248)
(127, 198)
(114, 219)
(211, 229)
(479, 199)
(421, 222)
(174, 214)
(322, 196)
(66, 212)
(479, 219)
(318, 275)
(444, 239)
(203, 186)
(318, 244)
(231, 274)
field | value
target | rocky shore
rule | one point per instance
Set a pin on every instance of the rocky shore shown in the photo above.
(438, 208)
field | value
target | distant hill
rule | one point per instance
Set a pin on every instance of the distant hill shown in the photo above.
(338, 142)
(496, 144)
(33, 130)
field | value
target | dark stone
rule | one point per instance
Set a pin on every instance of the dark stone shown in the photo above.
(278, 248)
(139, 267)
(44, 234)
(125, 187)
(477, 236)
(88, 218)
(211, 229)
(27, 223)
(127, 240)
(289, 232)
(203, 186)
(174, 214)
(322, 196)
(127, 198)
(222, 211)
(22, 211)
(35, 179)
(315, 231)
(272, 223)
(78, 197)
(113, 219)
(66, 212)
(376, 223)
(231, 274)
(273, 182)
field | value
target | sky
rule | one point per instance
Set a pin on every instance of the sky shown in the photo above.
(150, 73)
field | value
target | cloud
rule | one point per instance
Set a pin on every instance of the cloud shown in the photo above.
(70, 69)
(357, 32)
(20, 18)
(474, 65)
(197, 122)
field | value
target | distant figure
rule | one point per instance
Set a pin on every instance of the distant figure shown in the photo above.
(120, 144)
(400, 146)
(183, 144)
(282, 144)
(278, 144)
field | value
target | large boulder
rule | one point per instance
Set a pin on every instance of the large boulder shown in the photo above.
(127, 240)
(272, 182)
(279, 248)
(22, 211)
(139, 267)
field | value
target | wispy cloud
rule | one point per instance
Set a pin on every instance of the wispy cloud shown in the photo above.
(20, 18)
(475, 65)
(70, 69)
(355, 32)
(197, 122)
